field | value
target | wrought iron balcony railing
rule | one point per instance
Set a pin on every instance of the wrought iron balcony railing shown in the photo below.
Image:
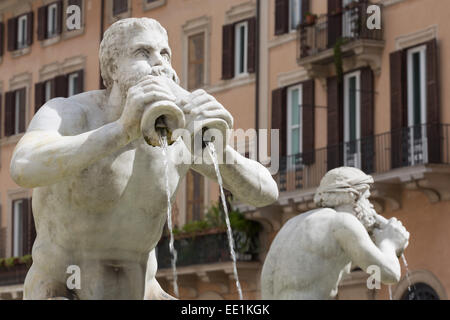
(13, 275)
(203, 249)
(348, 24)
(421, 144)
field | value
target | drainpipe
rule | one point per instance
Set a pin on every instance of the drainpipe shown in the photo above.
(258, 26)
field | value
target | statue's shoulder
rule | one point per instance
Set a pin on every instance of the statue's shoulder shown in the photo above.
(89, 99)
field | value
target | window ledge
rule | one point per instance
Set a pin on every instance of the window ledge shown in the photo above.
(282, 39)
(50, 41)
(69, 34)
(21, 52)
(232, 83)
(153, 5)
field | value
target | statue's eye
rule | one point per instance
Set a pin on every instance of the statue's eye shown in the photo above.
(142, 52)
(165, 54)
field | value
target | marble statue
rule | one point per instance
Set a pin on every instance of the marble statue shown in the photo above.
(99, 195)
(312, 251)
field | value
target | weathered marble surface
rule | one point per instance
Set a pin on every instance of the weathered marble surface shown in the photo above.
(312, 251)
(99, 197)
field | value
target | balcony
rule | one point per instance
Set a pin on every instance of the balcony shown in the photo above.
(204, 260)
(346, 30)
(416, 157)
(208, 247)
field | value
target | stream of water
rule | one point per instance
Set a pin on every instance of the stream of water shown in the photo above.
(411, 293)
(173, 252)
(213, 155)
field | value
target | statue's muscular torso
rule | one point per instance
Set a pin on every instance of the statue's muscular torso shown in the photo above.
(104, 219)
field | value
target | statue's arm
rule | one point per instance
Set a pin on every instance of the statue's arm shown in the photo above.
(356, 242)
(248, 180)
(47, 153)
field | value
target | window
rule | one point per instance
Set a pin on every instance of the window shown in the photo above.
(294, 120)
(350, 20)
(18, 232)
(420, 291)
(60, 86)
(239, 48)
(22, 32)
(241, 52)
(120, 6)
(417, 100)
(15, 112)
(51, 20)
(73, 84)
(48, 90)
(352, 126)
(196, 61)
(295, 13)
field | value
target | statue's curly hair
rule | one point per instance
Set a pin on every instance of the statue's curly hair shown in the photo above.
(114, 42)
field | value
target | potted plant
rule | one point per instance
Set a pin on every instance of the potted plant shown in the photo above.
(310, 18)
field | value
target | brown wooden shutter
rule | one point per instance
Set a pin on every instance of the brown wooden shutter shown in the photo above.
(279, 117)
(334, 21)
(334, 123)
(308, 111)
(22, 110)
(30, 28)
(39, 95)
(12, 34)
(120, 6)
(9, 113)
(251, 45)
(1, 127)
(60, 86)
(433, 103)
(228, 51)
(367, 120)
(42, 23)
(305, 9)
(80, 81)
(281, 16)
(2, 38)
(399, 109)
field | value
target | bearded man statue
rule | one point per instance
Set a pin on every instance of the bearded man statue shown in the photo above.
(311, 252)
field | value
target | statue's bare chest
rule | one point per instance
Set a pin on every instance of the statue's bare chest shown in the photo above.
(131, 177)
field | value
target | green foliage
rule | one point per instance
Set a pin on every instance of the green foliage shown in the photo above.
(244, 231)
(14, 261)
(338, 58)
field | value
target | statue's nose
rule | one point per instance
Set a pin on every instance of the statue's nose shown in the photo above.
(156, 60)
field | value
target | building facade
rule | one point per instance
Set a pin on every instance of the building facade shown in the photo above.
(339, 93)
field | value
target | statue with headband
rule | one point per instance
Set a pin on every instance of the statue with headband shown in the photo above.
(344, 232)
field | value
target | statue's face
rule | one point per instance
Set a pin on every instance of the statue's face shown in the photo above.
(147, 53)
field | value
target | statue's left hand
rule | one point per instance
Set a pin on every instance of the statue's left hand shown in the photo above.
(201, 105)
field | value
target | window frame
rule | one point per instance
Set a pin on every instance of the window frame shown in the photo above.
(22, 32)
(289, 126)
(415, 156)
(17, 237)
(347, 77)
(203, 33)
(298, 14)
(71, 86)
(237, 46)
(52, 20)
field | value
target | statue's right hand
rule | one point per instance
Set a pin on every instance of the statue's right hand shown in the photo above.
(149, 90)
(393, 232)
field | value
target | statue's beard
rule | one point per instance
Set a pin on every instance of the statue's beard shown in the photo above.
(365, 213)
(126, 81)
